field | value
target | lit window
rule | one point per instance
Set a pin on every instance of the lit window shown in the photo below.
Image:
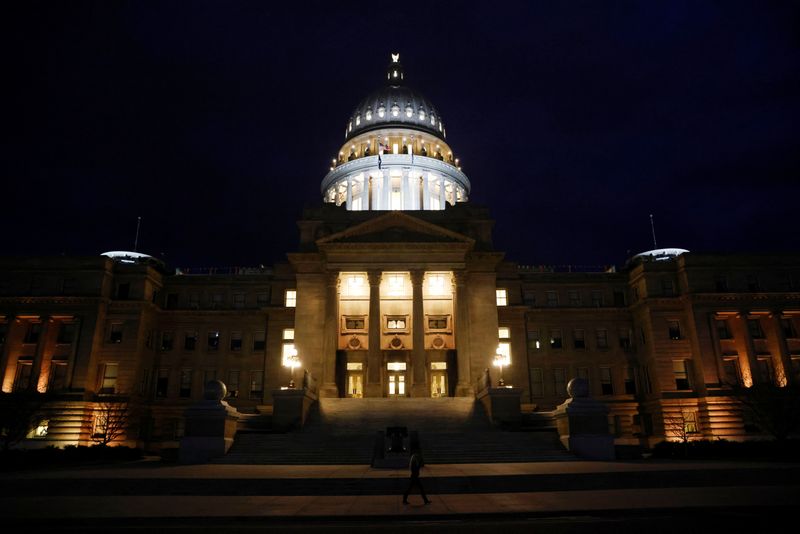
(409, 112)
(422, 114)
(395, 110)
(40, 430)
(438, 366)
(108, 384)
(396, 323)
(355, 366)
(290, 299)
(358, 120)
(288, 334)
(288, 351)
(504, 332)
(433, 119)
(396, 284)
(533, 340)
(381, 111)
(436, 284)
(502, 297)
(368, 115)
(396, 366)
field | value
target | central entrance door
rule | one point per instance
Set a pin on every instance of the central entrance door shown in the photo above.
(396, 379)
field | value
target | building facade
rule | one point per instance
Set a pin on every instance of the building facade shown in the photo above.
(396, 290)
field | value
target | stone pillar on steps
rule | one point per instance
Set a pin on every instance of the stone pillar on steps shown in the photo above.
(419, 366)
(373, 387)
(210, 426)
(582, 423)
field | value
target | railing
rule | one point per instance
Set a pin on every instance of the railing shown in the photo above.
(567, 268)
(210, 271)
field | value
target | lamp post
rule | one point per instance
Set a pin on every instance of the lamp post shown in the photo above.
(291, 361)
(500, 360)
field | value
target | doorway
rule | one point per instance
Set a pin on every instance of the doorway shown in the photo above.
(355, 380)
(396, 379)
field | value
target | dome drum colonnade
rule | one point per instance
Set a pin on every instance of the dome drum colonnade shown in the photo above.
(395, 156)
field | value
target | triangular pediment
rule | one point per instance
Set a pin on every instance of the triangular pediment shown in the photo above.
(396, 227)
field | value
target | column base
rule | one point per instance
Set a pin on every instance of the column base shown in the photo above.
(464, 390)
(329, 391)
(373, 390)
(420, 390)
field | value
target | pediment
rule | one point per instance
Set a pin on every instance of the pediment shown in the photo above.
(396, 227)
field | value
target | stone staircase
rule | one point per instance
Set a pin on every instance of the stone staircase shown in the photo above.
(342, 431)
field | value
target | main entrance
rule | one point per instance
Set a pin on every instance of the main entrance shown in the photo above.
(396, 379)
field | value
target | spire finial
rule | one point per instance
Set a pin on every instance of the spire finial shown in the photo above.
(394, 72)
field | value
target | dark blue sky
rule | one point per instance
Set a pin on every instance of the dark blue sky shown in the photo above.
(215, 121)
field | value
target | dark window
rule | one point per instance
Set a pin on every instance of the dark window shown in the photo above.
(552, 298)
(630, 381)
(752, 283)
(434, 323)
(529, 298)
(190, 341)
(754, 325)
(765, 371)
(58, 375)
(619, 298)
(66, 334)
(674, 329)
(167, 341)
(3, 333)
(124, 291)
(730, 368)
(624, 338)
(722, 329)
(597, 299)
(788, 328)
(533, 340)
(172, 301)
(256, 384)
(162, 383)
(32, 333)
(667, 287)
(262, 299)
(680, 370)
(580, 341)
(574, 297)
(213, 340)
(239, 300)
(602, 338)
(259, 341)
(555, 339)
(236, 341)
(116, 333)
(606, 386)
(22, 380)
(186, 384)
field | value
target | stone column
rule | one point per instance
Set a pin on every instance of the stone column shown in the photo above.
(425, 192)
(746, 344)
(779, 349)
(406, 186)
(10, 322)
(387, 189)
(464, 385)
(41, 349)
(419, 387)
(329, 343)
(373, 386)
(349, 192)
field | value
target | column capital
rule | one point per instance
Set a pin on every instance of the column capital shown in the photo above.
(460, 277)
(417, 275)
(374, 276)
(332, 279)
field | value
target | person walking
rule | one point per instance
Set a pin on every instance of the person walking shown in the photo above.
(415, 464)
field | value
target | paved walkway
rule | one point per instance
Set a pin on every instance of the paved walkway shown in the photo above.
(151, 490)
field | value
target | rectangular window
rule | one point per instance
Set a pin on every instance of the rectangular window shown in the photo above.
(579, 339)
(537, 383)
(690, 422)
(630, 381)
(22, 379)
(533, 340)
(574, 297)
(194, 301)
(172, 301)
(766, 373)
(256, 384)
(123, 291)
(213, 340)
(236, 341)
(68, 286)
(185, 390)
(551, 298)
(217, 301)
(619, 298)
(262, 299)
(32, 333)
(115, 336)
(290, 298)
(680, 370)
(723, 332)
(209, 375)
(233, 383)
(108, 384)
(190, 340)
(259, 341)
(754, 326)
(504, 332)
(438, 323)
(501, 295)
(624, 338)
(788, 328)
(66, 334)
(752, 283)
(583, 372)
(674, 329)
(397, 323)
(667, 287)
(559, 383)
(238, 300)
(731, 371)
(555, 339)
(162, 383)
(602, 338)
(167, 341)
(354, 323)
(529, 298)
(597, 299)
(606, 385)
(58, 375)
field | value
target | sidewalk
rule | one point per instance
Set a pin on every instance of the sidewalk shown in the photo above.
(150, 490)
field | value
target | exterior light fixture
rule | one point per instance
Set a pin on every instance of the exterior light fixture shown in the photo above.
(501, 360)
(292, 361)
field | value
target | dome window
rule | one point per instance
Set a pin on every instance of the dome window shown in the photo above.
(422, 114)
(381, 111)
(368, 115)
(440, 126)
(358, 120)
(350, 126)
(409, 112)
(433, 119)
(395, 110)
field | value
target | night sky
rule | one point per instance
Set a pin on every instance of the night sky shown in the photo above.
(216, 121)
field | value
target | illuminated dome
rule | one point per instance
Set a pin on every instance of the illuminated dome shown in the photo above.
(395, 156)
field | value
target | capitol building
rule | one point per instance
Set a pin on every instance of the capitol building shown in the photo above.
(395, 291)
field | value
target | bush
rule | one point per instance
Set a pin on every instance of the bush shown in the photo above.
(721, 449)
(71, 455)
